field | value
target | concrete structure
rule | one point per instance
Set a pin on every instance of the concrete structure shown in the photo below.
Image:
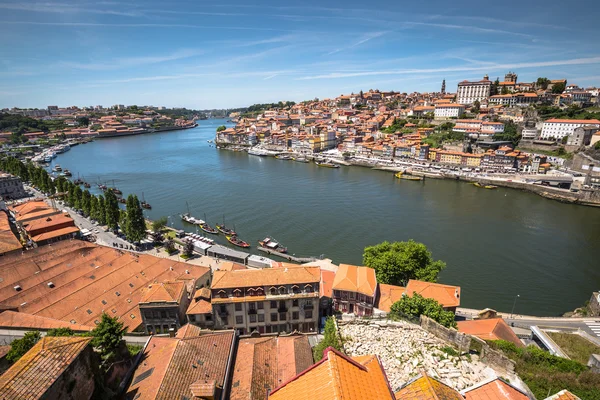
(267, 300)
(11, 187)
(582, 136)
(54, 368)
(594, 305)
(556, 129)
(469, 92)
(225, 253)
(448, 111)
(594, 362)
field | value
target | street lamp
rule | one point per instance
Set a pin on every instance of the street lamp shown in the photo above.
(513, 307)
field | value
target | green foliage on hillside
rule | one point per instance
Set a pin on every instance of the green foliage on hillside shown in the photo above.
(545, 373)
(330, 339)
(417, 305)
(510, 133)
(571, 112)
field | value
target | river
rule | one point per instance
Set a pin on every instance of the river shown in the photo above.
(497, 243)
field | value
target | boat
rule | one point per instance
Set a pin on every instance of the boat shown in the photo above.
(78, 182)
(225, 230)
(258, 152)
(114, 189)
(121, 200)
(57, 168)
(479, 185)
(284, 157)
(144, 204)
(209, 141)
(301, 159)
(234, 240)
(401, 175)
(190, 220)
(207, 228)
(66, 172)
(86, 185)
(269, 243)
(326, 164)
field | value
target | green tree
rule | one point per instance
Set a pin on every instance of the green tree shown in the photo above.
(170, 246)
(107, 336)
(558, 88)
(60, 332)
(111, 210)
(83, 121)
(77, 198)
(159, 224)
(505, 90)
(221, 128)
(330, 339)
(542, 83)
(395, 263)
(476, 106)
(417, 305)
(86, 202)
(188, 249)
(136, 224)
(19, 347)
(94, 208)
(101, 212)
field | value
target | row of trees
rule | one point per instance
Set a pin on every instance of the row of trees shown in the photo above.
(29, 173)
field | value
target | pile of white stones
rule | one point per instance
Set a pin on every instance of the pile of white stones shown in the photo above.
(406, 349)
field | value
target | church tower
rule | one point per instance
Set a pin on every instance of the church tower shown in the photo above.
(444, 86)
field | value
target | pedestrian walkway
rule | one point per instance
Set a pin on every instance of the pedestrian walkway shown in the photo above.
(594, 327)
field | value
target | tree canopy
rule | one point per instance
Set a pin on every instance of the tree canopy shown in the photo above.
(330, 339)
(111, 210)
(108, 335)
(221, 128)
(135, 226)
(558, 88)
(395, 263)
(19, 347)
(159, 224)
(417, 305)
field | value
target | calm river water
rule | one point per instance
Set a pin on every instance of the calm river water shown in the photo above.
(496, 243)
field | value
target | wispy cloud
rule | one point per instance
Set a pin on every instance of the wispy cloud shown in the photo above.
(469, 28)
(365, 38)
(270, 77)
(65, 8)
(540, 64)
(127, 62)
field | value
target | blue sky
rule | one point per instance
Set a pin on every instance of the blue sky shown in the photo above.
(234, 53)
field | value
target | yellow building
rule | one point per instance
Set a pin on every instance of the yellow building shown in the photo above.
(473, 160)
(449, 157)
(314, 143)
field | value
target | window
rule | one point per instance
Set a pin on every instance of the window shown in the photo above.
(260, 305)
(273, 304)
(261, 317)
(295, 303)
(163, 314)
(273, 291)
(282, 316)
(295, 289)
(148, 314)
(239, 319)
(238, 306)
(252, 306)
(252, 317)
(274, 317)
(208, 317)
(308, 313)
(237, 293)
(295, 315)
(222, 294)
(282, 290)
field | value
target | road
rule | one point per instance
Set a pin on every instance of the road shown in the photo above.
(589, 325)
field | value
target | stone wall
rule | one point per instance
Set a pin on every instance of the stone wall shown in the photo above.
(460, 340)
(594, 306)
(494, 358)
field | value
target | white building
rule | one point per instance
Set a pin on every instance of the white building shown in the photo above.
(469, 92)
(449, 110)
(556, 129)
(529, 134)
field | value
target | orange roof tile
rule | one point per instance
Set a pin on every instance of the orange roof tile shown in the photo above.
(355, 279)
(446, 295)
(495, 389)
(13, 319)
(200, 306)
(264, 363)
(8, 241)
(164, 292)
(563, 395)
(34, 373)
(425, 387)
(338, 377)
(388, 295)
(264, 277)
(326, 287)
(55, 233)
(574, 121)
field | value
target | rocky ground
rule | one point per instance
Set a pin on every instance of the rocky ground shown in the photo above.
(404, 349)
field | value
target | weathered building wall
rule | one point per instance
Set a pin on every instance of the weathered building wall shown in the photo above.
(77, 381)
(460, 340)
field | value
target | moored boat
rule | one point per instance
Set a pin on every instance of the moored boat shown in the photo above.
(269, 243)
(144, 203)
(86, 185)
(479, 185)
(284, 157)
(57, 168)
(301, 159)
(234, 240)
(401, 175)
(326, 164)
(66, 172)
(121, 200)
(189, 219)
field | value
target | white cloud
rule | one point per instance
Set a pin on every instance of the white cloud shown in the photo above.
(365, 38)
(126, 62)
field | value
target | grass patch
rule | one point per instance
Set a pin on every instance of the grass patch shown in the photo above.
(185, 256)
(133, 349)
(576, 347)
(545, 373)
(450, 351)
(169, 234)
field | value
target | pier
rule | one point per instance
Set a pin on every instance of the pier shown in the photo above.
(299, 260)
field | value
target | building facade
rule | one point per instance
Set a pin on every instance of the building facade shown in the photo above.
(11, 187)
(449, 110)
(354, 290)
(556, 129)
(267, 300)
(469, 92)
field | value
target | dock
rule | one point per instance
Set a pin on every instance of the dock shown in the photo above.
(300, 260)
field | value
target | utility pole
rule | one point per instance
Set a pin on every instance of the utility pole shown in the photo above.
(513, 307)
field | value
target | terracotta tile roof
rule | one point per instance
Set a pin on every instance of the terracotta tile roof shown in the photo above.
(199, 306)
(338, 377)
(495, 389)
(8, 240)
(326, 287)
(230, 266)
(264, 363)
(13, 319)
(188, 330)
(265, 277)
(164, 292)
(489, 329)
(55, 233)
(446, 295)
(355, 279)
(77, 281)
(563, 395)
(425, 387)
(22, 210)
(174, 368)
(388, 295)
(40, 367)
